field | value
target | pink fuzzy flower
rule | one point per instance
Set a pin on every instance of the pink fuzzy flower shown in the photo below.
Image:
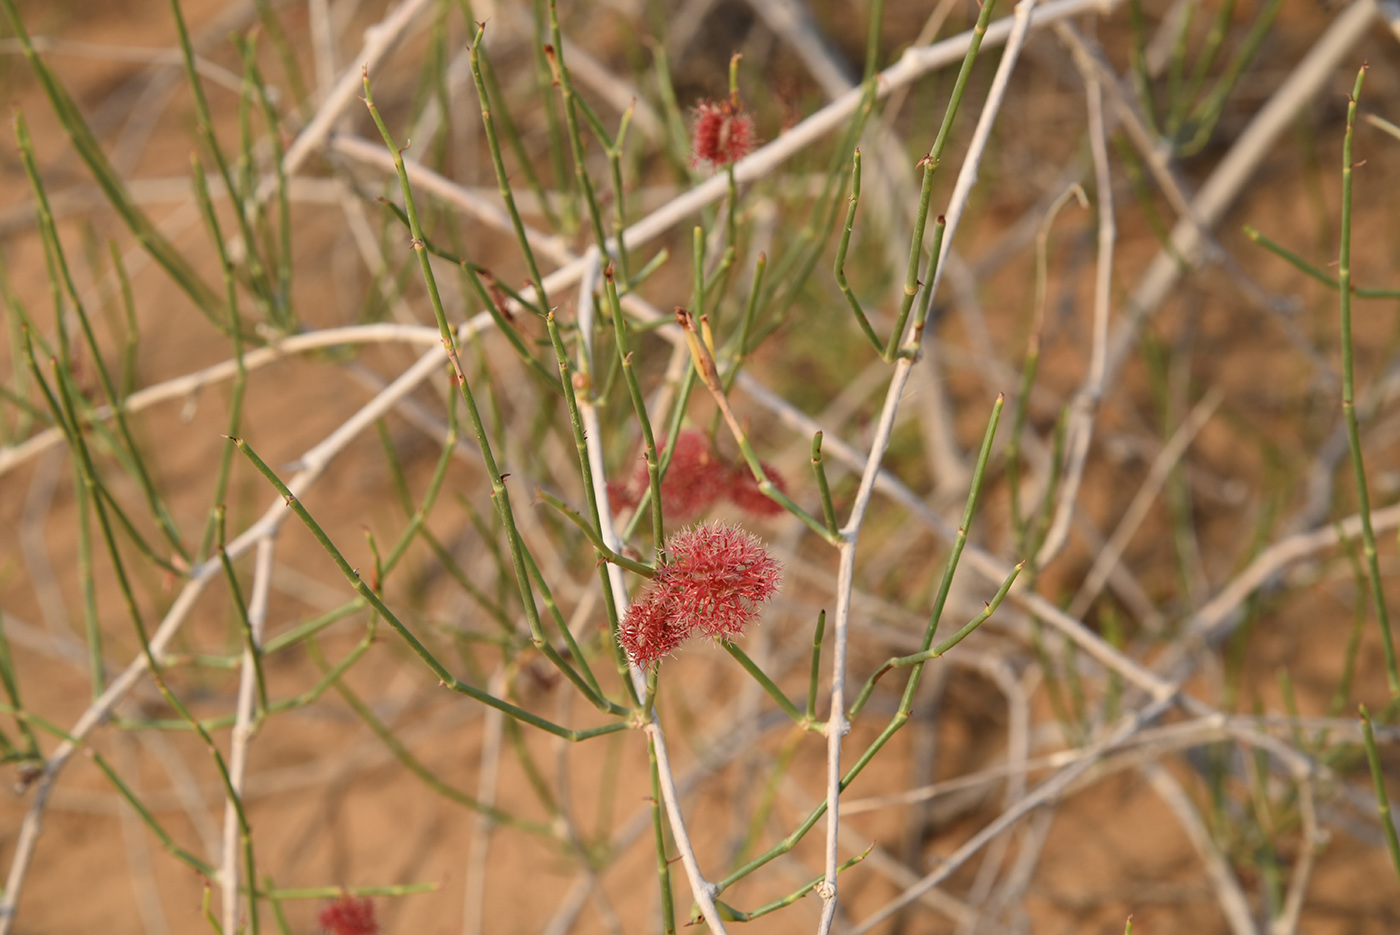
(722, 132)
(743, 490)
(719, 574)
(717, 578)
(697, 478)
(349, 916)
(653, 627)
(694, 481)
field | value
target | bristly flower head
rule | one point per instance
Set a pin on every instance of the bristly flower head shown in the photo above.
(349, 916)
(722, 133)
(720, 574)
(654, 627)
(743, 491)
(693, 482)
(697, 478)
(717, 578)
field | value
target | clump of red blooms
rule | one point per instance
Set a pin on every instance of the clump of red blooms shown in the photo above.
(742, 490)
(722, 133)
(349, 916)
(715, 580)
(697, 478)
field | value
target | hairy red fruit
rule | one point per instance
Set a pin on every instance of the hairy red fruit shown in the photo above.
(652, 628)
(722, 132)
(744, 493)
(717, 578)
(349, 916)
(694, 481)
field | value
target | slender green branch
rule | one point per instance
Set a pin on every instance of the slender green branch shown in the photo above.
(705, 365)
(32, 752)
(113, 188)
(416, 767)
(176, 851)
(1382, 797)
(639, 406)
(571, 385)
(49, 232)
(658, 832)
(449, 680)
(766, 683)
(906, 705)
(263, 289)
(497, 163)
(814, 677)
(245, 624)
(1315, 272)
(819, 469)
(740, 343)
(572, 105)
(607, 554)
(930, 162)
(240, 380)
(84, 459)
(500, 496)
(730, 914)
(1363, 497)
(901, 662)
(839, 266)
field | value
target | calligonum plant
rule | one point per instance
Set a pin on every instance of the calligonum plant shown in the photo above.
(509, 475)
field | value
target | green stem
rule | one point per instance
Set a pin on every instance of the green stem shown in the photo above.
(730, 914)
(901, 716)
(449, 680)
(416, 767)
(766, 683)
(1315, 272)
(901, 662)
(91, 152)
(238, 197)
(49, 232)
(244, 622)
(607, 554)
(502, 179)
(1382, 798)
(1363, 498)
(930, 162)
(572, 106)
(634, 390)
(819, 469)
(838, 268)
(815, 676)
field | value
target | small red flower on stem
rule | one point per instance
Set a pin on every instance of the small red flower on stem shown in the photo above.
(697, 478)
(349, 916)
(693, 482)
(722, 133)
(743, 491)
(717, 577)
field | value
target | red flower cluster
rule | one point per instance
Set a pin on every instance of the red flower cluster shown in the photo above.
(693, 482)
(717, 577)
(696, 479)
(742, 490)
(723, 132)
(349, 916)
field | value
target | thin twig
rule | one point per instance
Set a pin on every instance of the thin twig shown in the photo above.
(243, 728)
(1235, 171)
(1131, 518)
(1086, 402)
(1043, 793)
(1227, 887)
(380, 40)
